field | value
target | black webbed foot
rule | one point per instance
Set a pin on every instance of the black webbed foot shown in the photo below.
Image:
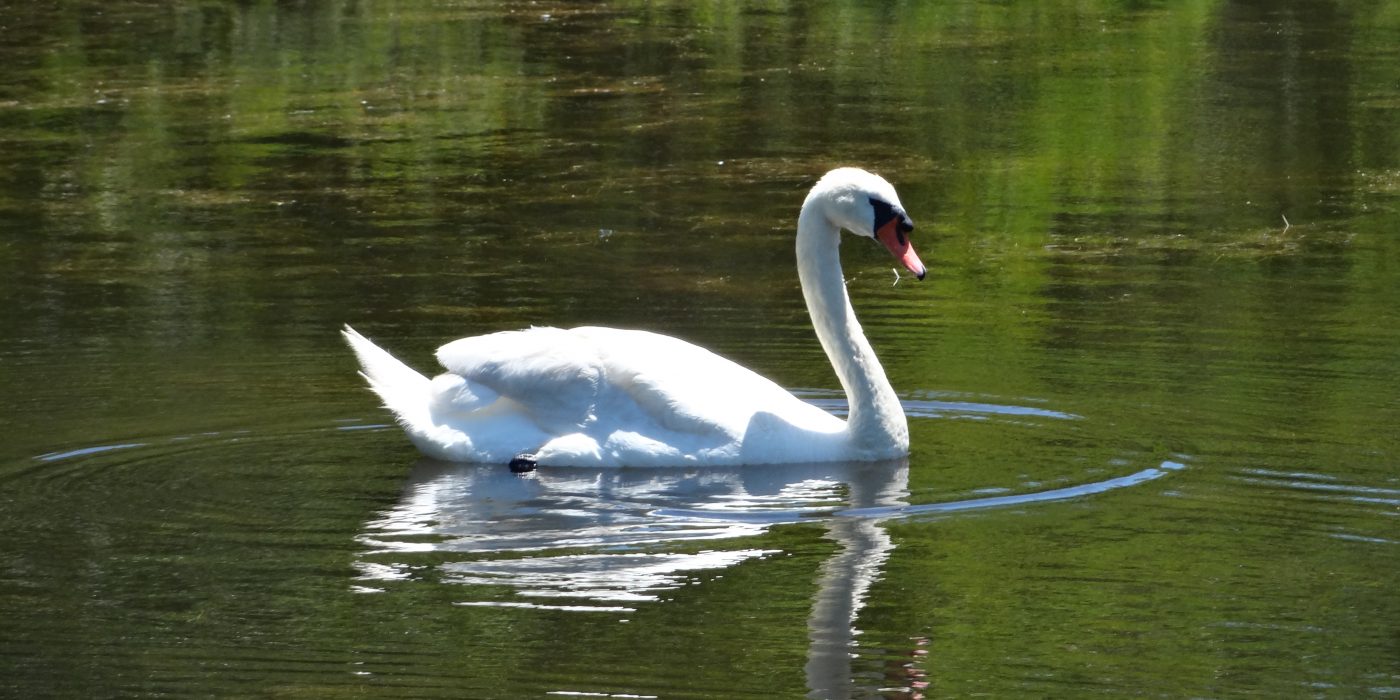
(523, 463)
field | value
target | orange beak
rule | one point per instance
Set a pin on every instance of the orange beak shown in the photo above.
(898, 243)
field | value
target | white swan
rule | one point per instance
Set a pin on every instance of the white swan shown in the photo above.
(607, 397)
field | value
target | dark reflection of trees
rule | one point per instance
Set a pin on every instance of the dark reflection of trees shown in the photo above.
(1284, 75)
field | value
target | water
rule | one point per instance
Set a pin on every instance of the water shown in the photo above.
(1152, 380)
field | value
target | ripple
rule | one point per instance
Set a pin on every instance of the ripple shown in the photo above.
(929, 404)
(908, 511)
(595, 576)
(627, 536)
(595, 539)
(1336, 508)
(1323, 486)
(86, 451)
(222, 485)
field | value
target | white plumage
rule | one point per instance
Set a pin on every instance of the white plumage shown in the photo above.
(607, 397)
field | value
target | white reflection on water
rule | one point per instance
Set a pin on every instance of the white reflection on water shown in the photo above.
(595, 576)
(604, 535)
(486, 509)
(927, 404)
(606, 540)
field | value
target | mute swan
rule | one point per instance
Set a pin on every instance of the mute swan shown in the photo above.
(606, 397)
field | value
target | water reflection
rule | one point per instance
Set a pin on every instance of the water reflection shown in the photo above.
(843, 584)
(607, 540)
(605, 535)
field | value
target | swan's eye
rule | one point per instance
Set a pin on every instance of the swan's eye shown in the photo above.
(884, 212)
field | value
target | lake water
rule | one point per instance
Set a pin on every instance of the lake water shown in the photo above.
(1153, 380)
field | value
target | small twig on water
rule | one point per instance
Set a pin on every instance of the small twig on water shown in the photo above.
(897, 278)
(1286, 225)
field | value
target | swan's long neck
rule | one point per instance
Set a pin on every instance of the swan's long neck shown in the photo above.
(876, 424)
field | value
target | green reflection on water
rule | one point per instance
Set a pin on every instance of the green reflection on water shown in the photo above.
(1176, 222)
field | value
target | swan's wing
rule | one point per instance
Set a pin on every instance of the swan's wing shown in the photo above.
(546, 370)
(686, 388)
(630, 395)
(559, 377)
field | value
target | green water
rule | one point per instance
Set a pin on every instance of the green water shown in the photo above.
(1153, 379)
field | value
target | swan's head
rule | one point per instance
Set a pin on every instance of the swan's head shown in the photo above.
(866, 204)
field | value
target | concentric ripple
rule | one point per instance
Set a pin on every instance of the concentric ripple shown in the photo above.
(571, 539)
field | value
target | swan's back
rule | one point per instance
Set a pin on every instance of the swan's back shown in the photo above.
(611, 396)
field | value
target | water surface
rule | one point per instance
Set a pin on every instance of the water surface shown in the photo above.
(1152, 380)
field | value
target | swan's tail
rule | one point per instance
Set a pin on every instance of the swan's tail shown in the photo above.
(403, 389)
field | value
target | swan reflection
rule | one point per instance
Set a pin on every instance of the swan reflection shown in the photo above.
(603, 535)
(605, 540)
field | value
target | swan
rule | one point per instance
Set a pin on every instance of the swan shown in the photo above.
(607, 397)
